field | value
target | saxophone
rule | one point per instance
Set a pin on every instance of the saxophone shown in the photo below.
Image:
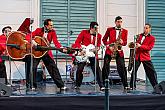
(116, 46)
(132, 45)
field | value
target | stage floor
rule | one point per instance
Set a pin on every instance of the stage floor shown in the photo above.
(86, 89)
(49, 97)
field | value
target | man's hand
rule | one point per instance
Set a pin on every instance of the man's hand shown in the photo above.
(121, 41)
(111, 48)
(34, 43)
(64, 50)
(82, 53)
(138, 45)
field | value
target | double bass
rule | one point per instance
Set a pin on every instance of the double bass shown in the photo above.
(18, 47)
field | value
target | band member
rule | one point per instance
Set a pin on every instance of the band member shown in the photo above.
(117, 36)
(50, 34)
(145, 42)
(6, 31)
(87, 37)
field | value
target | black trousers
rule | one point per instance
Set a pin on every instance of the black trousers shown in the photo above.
(80, 67)
(51, 67)
(3, 71)
(120, 68)
(149, 70)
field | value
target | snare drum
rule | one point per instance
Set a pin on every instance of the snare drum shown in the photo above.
(88, 75)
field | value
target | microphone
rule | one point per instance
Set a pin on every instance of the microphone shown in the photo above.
(31, 20)
(6, 32)
(96, 31)
(135, 37)
(95, 26)
(71, 32)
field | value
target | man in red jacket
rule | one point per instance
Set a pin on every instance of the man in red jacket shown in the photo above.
(144, 44)
(87, 37)
(6, 31)
(118, 35)
(50, 34)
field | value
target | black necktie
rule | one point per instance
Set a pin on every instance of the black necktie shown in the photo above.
(118, 28)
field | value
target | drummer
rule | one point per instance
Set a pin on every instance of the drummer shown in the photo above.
(6, 31)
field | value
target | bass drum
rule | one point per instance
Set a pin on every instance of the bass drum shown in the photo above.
(88, 75)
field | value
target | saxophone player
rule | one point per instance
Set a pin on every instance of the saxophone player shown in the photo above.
(117, 36)
(144, 43)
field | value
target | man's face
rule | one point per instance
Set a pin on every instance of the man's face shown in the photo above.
(147, 29)
(94, 30)
(7, 31)
(49, 26)
(118, 23)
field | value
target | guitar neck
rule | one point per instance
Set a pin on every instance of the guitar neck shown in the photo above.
(44, 48)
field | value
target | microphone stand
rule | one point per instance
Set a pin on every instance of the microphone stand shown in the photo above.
(96, 58)
(10, 81)
(134, 59)
(95, 63)
(66, 58)
(32, 89)
(31, 56)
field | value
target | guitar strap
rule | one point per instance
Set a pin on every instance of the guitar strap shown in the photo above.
(45, 38)
(92, 39)
(82, 40)
(45, 35)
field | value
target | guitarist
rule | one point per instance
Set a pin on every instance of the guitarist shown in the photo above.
(87, 37)
(111, 36)
(50, 35)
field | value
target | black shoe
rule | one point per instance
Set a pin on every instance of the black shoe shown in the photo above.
(132, 88)
(77, 87)
(127, 89)
(102, 89)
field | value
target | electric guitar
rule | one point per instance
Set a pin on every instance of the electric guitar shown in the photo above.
(85, 53)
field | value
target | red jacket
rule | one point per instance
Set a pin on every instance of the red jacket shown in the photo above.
(84, 38)
(144, 50)
(110, 37)
(50, 37)
(2, 45)
(3, 40)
